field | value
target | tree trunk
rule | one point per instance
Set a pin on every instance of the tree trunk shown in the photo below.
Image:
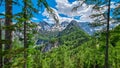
(107, 36)
(1, 45)
(8, 32)
(116, 59)
(25, 35)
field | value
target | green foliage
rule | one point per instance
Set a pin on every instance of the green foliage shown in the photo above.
(87, 54)
(90, 54)
(77, 49)
(73, 36)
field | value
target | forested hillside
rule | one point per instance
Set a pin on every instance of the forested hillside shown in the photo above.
(89, 54)
(59, 33)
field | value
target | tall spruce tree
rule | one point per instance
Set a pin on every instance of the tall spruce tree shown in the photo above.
(1, 44)
(31, 9)
(105, 19)
(107, 36)
(8, 31)
(8, 23)
(25, 34)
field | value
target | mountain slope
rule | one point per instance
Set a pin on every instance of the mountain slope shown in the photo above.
(73, 35)
(89, 55)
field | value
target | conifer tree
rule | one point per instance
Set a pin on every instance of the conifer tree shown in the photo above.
(25, 34)
(1, 44)
(106, 16)
(8, 31)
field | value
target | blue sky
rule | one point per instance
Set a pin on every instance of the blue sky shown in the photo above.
(52, 3)
(62, 9)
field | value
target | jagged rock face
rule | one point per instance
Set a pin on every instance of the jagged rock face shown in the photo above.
(49, 46)
(44, 26)
(64, 24)
(41, 41)
(72, 23)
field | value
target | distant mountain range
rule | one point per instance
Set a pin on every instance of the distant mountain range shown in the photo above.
(69, 33)
(65, 30)
(66, 33)
(44, 26)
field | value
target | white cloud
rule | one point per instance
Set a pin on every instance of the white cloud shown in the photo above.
(114, 4)
(85, 18)
(85, 11)
(33, 18)
(64, 7)
(49, 18)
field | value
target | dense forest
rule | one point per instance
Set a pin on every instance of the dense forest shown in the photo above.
(67, 44)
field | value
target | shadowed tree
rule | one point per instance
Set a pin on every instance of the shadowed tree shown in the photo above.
(0, 44)
(8, 31)
(106, 16)
(1, 57)
(29, 8)
(107, 36)
(25, 34)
